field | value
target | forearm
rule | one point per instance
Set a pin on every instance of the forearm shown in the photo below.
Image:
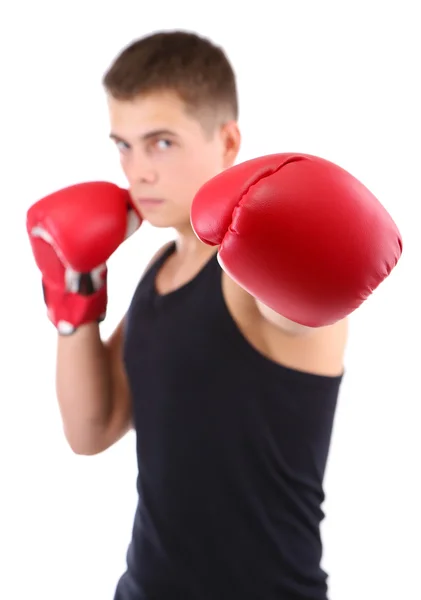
(84, 386)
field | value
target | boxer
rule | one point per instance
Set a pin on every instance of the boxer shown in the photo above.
(229, 360)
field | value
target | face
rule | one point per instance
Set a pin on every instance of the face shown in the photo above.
(167, 155)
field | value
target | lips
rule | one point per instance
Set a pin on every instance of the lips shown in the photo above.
(149, 201)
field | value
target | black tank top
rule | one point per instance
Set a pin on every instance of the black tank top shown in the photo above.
(231, 449)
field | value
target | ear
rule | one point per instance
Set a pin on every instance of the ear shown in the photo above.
(231, 141)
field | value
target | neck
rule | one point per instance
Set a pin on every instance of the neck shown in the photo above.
(189, 246)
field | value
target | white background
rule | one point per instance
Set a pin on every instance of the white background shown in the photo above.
(340, 80)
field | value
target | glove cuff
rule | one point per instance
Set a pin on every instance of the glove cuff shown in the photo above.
(68, 310)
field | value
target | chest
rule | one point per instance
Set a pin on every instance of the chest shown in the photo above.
(174, 343)
(200, 380)
(186, 373)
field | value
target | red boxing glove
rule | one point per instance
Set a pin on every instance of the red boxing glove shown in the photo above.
(73, 232)
(299, 233)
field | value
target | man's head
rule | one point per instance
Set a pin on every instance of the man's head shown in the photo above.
(173, 109)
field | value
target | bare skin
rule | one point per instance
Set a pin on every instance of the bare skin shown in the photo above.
(166, 155)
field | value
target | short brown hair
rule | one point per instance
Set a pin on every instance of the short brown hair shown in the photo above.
(185, 63)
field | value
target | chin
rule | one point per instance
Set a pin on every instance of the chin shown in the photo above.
(158, 222)
(161, 221)
(164, 217)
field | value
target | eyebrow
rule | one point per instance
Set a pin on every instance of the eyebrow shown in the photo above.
(146, 136)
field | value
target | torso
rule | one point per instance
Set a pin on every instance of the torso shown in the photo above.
(233, 423)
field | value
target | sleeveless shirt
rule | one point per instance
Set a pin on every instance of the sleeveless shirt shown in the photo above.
(231, 450)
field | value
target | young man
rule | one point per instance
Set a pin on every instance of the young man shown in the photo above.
(232, 400)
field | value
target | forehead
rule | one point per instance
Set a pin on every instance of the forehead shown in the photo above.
(153, 111)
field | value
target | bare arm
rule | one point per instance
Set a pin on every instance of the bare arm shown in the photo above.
(92, 388)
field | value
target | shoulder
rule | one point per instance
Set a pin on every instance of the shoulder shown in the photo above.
(319, 351)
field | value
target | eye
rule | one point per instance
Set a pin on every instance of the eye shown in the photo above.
(163, 144)
(122, 146)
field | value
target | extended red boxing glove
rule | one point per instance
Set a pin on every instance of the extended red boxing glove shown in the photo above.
(73, 232)
(299, 233)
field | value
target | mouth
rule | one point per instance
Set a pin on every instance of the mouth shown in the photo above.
(149, 202)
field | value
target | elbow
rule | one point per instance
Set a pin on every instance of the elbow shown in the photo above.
(85, 450)
(85, 445)
(95, 437)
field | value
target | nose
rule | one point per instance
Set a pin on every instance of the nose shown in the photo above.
(140, 170)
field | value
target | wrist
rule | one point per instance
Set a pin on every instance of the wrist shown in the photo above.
(67, 311)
